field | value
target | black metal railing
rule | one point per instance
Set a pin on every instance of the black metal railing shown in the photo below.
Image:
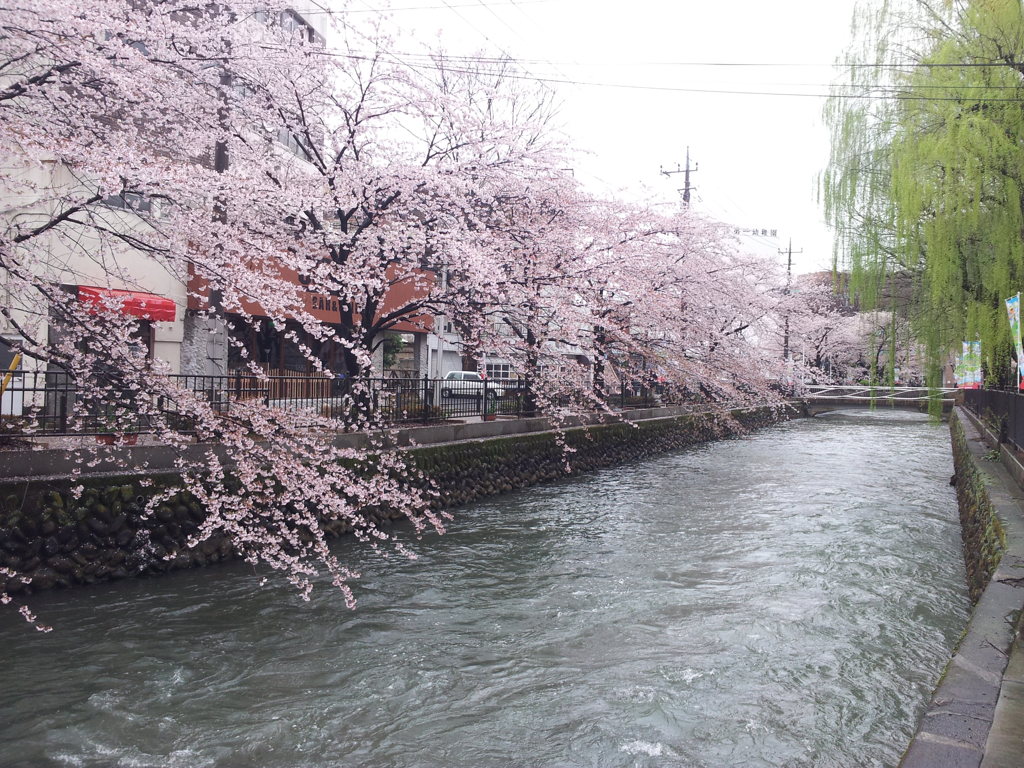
(54, 403)
(47, 397)
(1002, 411)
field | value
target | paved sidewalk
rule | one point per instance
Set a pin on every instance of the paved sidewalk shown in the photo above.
(1005, 745)
(976, 716)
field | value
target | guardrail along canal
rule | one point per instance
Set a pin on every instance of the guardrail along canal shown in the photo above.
(788, 599)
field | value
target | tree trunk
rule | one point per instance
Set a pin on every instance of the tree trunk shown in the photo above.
(599, 365)
(530, 375)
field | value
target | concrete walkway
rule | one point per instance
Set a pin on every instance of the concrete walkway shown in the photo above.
(57, 460)
(976, 716)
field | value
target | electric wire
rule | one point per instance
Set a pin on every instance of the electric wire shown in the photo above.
(477, 58)
(426, 60)
(896, 93)
(888, 92)
(532, 77)
(891, 92)
(341, 11)
(546, 62)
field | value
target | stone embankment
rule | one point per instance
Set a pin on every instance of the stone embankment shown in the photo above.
(55, 539)
(976, 716)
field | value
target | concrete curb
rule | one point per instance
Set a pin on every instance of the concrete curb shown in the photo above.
(60, 464)
(976, 716)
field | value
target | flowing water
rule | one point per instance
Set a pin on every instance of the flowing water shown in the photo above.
(787, 599)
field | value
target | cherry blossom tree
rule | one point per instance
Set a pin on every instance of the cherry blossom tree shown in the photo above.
(825, 339)
(173, 112)
(679, 306)
(586, 291)
(830, 341)
(332, 190)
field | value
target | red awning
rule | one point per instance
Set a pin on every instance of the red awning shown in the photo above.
(135, 303)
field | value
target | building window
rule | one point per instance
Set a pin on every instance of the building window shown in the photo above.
(144, 338)
(291, 23)
(129, 201)
(297, 145)
(499, 371)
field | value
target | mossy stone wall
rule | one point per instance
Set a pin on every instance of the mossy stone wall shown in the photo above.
(51, 540)
(465, 472)
(983, 536)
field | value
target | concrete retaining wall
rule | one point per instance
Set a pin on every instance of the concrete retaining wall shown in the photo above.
(976, 716)
(55, 464)
(982, 532)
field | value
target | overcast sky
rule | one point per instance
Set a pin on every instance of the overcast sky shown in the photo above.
(758, 155)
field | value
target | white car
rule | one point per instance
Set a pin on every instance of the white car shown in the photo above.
(469, 384)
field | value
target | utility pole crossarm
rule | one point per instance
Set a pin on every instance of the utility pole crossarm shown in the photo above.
(686, 178)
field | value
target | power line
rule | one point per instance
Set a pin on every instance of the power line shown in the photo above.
(488, 39)
(333, 11)
(478, 58)
(888, 92)
(426, 59)
(894, 95)
(429, 60)
(772, 64)
(482, 4)
(548, 62)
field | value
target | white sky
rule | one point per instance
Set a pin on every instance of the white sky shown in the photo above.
(758, 155)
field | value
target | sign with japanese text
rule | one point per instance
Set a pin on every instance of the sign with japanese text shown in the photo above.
(1013, 313)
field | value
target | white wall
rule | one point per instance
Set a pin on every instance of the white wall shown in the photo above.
(30, 195)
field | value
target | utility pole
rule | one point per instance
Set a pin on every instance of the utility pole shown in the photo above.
(789, 281)
(212, 351)
(686, 178)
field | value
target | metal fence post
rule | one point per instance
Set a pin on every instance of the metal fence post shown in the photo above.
(1011, 429)
(63, 412)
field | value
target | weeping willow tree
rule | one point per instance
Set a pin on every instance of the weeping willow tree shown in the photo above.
(924, 185)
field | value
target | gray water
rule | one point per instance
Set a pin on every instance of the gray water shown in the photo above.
(787, 599)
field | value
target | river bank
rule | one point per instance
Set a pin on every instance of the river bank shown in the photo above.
(976, 715)
(52, 538)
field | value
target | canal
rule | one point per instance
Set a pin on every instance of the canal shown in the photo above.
(786, 599)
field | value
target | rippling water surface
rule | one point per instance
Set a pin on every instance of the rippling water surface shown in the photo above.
(788, 599)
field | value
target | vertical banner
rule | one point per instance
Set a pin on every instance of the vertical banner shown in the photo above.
(970, 365)
(1013, 312)
(958, 370)
(974, 365)
(967, 377)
